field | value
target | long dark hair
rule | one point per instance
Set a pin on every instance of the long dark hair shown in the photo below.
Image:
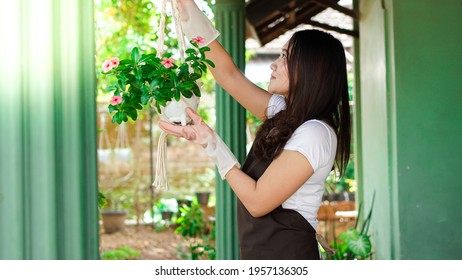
(318, 89)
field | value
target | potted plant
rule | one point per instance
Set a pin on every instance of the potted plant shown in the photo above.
(203, 197)
(355, 243)
(167, 84)
(183, 201)
(166, 207)
(203, 186)
(197, 231)
(112, 215)
(342, 189)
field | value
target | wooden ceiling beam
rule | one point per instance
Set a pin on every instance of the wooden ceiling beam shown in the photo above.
(293, 13)
(268, 35)
(259, 12)
(353, 33)
(334, 5)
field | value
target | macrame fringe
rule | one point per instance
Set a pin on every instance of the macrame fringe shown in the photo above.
(161, 180)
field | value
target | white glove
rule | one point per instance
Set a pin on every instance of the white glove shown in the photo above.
(194, 23)
(201, 133)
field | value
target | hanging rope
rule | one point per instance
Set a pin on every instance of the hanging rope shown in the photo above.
(104, 145)
(161, 180)
(178, 29)
(161, 38)
(122, 146)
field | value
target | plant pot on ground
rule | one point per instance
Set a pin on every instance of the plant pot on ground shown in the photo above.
(167, 215)
(183, 201)
(203, 198)
(113, 220)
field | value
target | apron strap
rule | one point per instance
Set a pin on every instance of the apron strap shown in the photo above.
(325, 245)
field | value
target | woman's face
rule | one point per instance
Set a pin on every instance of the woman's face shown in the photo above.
(279, 82)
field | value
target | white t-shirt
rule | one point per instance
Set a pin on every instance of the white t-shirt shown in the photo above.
(317, 141)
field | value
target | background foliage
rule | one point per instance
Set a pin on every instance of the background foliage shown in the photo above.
(121, 25)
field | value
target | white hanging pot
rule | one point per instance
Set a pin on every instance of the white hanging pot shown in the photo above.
(123, 154)
(104, 154)
(174, 112)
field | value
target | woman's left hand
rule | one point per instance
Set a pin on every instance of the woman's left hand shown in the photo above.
(200, 133)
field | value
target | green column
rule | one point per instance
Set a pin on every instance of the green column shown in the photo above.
(48, 173)
(411, 95)
(230, 124)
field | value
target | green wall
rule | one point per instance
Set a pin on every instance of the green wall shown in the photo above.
(411, 96)
(48, 172)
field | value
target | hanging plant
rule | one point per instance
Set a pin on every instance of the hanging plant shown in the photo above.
(149, 79)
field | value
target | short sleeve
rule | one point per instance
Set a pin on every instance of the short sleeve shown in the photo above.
(313, 140)
(276, 104)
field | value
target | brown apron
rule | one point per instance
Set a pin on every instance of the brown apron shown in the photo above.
(282, 234)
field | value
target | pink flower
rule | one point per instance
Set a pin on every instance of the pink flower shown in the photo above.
(198, 40)
(115, 100)
(167, 62)
(107, 65)
(115, 61)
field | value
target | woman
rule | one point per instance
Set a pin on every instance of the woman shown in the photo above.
(305, 133)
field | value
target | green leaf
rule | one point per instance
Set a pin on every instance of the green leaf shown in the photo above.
(360, 247)
(195, 76)
(342, 249)
(188, 85)
(350, 234)
(101, 200)
(120, 117)
(145, 57)
(187, 93)
(167, 54)
(122, 85)
(132, 113)
(204, 49)
(158, 107)
(190, 58)
(154, 83)
(125, 62)
(176, 95)
(112, 108)
(174, 79)
(145, 98)
(145, 89)
(115, 118)
(110, 88)
(138, 74)
(203, 67)
(190, 51)
(209, 62)
(131, 78)
(194, 44)
(196, 90)
(135, 55)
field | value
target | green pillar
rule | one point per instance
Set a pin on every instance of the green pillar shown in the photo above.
(411, 95)
(357, 113)
(48, 172)
(230, 124)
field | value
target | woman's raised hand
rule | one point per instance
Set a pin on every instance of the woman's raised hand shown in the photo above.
(194, 23)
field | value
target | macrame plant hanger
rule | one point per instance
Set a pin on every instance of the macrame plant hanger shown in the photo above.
(104, 145)
(122, 147)
(161, 180)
